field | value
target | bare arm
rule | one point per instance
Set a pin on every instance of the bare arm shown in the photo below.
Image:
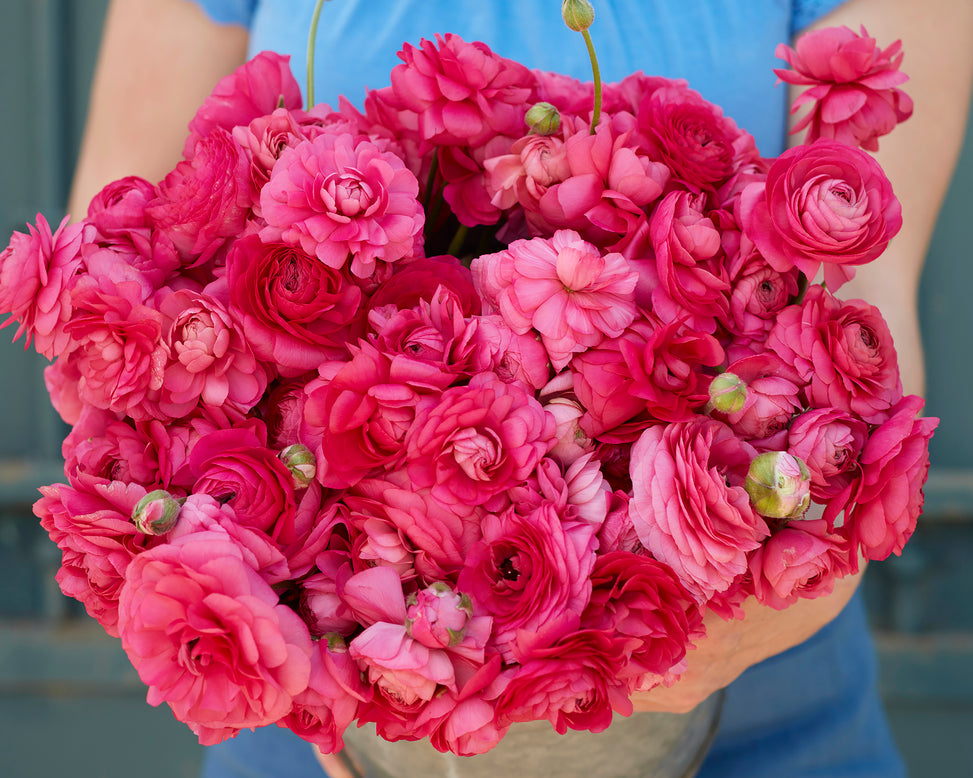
(158, 61)
(919, 157)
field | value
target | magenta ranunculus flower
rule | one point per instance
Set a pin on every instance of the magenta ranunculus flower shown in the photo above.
(829, 441)
(210, 638)
(531, 573)
(894, 462)
(854, 94)
(205, 200)
(773, 396)
(37, 271)
(562, 287)
(297, 312)
(689, 504)
(345, 200)
(474, 442)
(825, 203)
(842, 350)
(256, 88)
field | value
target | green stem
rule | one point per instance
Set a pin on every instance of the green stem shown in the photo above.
(457, 242)
(596, 75)
(311, 38)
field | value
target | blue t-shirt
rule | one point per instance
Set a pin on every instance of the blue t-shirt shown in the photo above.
(723, 48)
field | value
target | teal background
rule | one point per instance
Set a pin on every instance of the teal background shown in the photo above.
(69, 700)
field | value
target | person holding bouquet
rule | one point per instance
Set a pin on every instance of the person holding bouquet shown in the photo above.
(800, 682)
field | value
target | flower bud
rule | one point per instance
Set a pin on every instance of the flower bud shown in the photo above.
(300, 461)
(543, 119)
(437, 616)
(156, 513)
(728, 393)
(779, 485)
(577, 14)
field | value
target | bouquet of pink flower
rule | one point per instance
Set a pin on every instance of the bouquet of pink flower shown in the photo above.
(425, 416)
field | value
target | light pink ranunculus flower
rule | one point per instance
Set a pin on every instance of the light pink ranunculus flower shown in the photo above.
(853, 86)
(345, 200)
(689, 504)
(437, 616)
(37, 272)
(474, 442)
(829, 441)
(510, 355)
(210, 638)
(563, 288)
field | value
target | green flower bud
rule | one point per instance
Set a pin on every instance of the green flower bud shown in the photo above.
(300, 461)
(543, 119)
(156, 513)
(728, 393)
(577, 14)
(779, 485)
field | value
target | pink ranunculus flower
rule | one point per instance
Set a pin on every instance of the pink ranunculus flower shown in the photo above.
(37, 272)
(205, 201)
(195, 618)
(510, 355)
(462, 92)
(823, 204)
(521, 177)
(256, 88)
(474, 442)
(573, 684)
(638, 597)
(562, 287)
(437, 616)
(854, 86)
(100, 445)
(531, 573)
(773, 396)
(90, 520)
(801, 560)
(210, 360)
(700, 145)
(829, 441)
(889, 498)
(843, 350)
(297, 311)
(420, 278)
(321, 606)
(345, 200)
(689, 504)
(117, 344)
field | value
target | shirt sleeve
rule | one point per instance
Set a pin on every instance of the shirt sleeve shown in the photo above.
(229, 11)
(808, 11)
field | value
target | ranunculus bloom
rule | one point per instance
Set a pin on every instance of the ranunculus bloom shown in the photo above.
(91, 522)
(700, 145)
(210, 638)
(563, 288)
(475, 442)
(843, 350)
(342, 198)
(420, 278)
(210, 360)
(638, 597)
(535, 162)
(853, 92)
(256, 88)
(234, 467)
(36, 274)
(825, 203)
(510, 355)
(531, 573)
(894, 461)
(297, 311)
(799, 560)
(118, 346)
(205, 200)
(773, 396)
(830, 442)
(689, 505)
(438, 616)
(462, 92)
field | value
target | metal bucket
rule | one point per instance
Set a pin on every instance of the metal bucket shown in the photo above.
(644, 745)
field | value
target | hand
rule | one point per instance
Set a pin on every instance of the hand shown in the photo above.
(333, 765)
(730, 647)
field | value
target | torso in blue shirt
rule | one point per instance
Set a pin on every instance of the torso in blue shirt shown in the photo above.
(724, 48)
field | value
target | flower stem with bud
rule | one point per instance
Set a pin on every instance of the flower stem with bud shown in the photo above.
(578, 16)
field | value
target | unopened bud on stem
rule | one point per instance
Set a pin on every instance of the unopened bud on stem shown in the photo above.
(543, 119)
(300, 461)
(779, 485)
(728, 393)
(156, 513)
(577, 14)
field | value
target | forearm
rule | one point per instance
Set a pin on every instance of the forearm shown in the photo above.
(158, 61)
